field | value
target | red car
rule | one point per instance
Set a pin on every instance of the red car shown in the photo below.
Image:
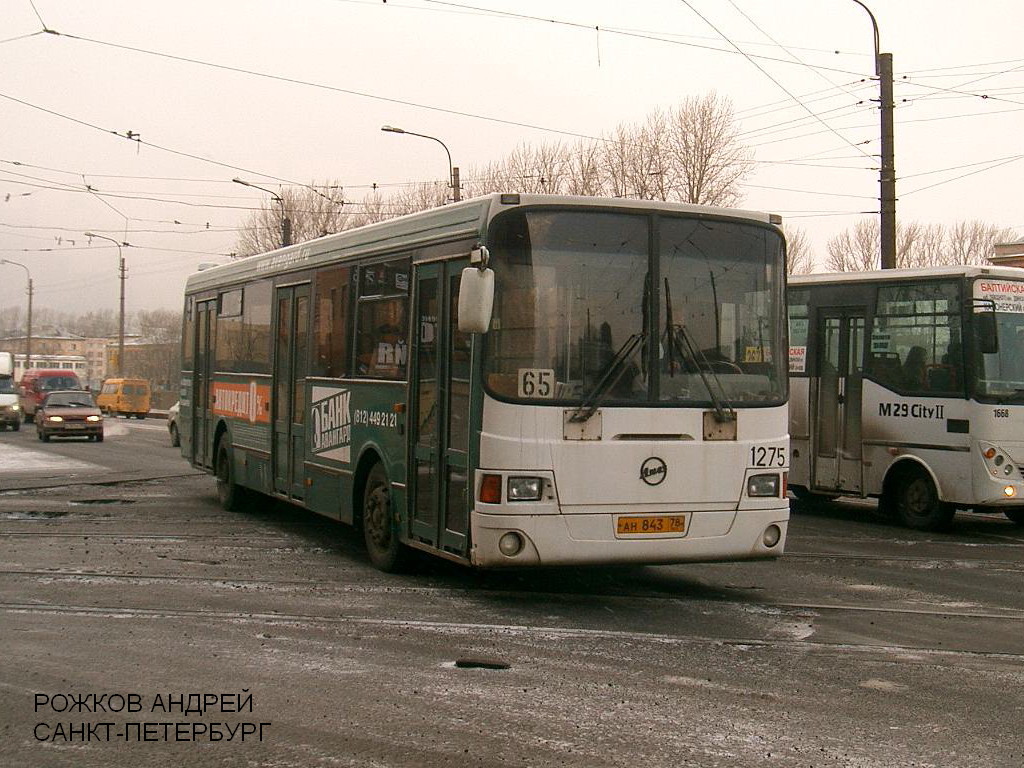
(69, 413)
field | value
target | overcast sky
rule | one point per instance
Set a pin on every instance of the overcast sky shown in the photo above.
(189, 79)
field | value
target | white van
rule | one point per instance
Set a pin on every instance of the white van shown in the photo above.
(10, 409)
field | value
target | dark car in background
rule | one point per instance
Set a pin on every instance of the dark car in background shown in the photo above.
(69, 413)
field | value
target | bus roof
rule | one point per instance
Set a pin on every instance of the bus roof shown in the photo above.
(457, 221)
(877, 275)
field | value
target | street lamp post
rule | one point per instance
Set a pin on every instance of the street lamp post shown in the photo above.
(286, 223)
(887, 174)
(28, 322)
(122, 274)
(453, 172)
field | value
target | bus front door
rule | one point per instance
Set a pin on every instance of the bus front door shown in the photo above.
(202, 406)
(291, 346)
(838, 459)
(439, 413)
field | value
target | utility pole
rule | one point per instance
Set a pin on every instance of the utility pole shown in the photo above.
(122, 273)
(453, 172)
(887, 173)
(28, 331)
(28, 322)
(887, 177)
(456, 189)
(286, 223)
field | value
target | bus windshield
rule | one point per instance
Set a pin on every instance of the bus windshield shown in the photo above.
(586, 311)
(1001, 374)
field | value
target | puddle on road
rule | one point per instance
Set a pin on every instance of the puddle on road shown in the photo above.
(80, 502)
(33, 515)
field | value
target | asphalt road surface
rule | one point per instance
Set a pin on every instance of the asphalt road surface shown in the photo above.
(124, 587)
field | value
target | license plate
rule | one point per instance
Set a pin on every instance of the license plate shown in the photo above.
(651, 525)
(74, 426)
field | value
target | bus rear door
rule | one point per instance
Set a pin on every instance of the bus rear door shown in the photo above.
(840, 361)
(290, 359)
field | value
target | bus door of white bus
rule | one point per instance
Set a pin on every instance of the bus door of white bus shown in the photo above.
(291, 345)
(840, 369)
(439, 418)
(202, 376)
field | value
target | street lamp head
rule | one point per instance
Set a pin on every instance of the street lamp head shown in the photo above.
(273, 195)
(392, 129)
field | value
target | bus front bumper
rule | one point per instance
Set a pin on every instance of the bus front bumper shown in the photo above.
(590, 539)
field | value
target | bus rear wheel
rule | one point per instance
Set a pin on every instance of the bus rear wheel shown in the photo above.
(1016, 515)
(916, 503)
(229, 493)
(380, 533)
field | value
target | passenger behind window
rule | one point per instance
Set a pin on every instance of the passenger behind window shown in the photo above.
(914, 368)
(945, 376)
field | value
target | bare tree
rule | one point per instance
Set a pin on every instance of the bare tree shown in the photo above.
(799, 257)
(973, 242)
(158, 325)
(313, 211)
(707, 157)
(583, 168)
(691, 153)
(854, 251)
(917, 245)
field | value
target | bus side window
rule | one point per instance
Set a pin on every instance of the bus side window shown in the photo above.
(382, 321)
(331, 323)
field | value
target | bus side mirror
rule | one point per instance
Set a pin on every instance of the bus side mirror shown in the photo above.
(985, 332)
(476, 300)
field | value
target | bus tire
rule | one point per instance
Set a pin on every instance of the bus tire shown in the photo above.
(916, 503)
(16, 425)
(380, 531)
(806, 495)
(229, 493)
(1016, 515)
(175, 437)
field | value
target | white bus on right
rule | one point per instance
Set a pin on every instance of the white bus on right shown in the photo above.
(908, 385)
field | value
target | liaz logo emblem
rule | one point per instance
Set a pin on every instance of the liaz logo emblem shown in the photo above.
(653, 471)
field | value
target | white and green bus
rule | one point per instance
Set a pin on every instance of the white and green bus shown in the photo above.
(511, 380)
(908, 386)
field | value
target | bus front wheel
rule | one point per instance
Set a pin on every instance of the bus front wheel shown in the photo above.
(1016, 514)
(380, 532)
(916, 503)
(229, 493)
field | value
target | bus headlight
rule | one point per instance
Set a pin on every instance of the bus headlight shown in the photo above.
(763, 485)
(525, 488)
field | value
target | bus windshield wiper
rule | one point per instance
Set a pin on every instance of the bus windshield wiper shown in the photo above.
(679, 342)
(612, 373)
